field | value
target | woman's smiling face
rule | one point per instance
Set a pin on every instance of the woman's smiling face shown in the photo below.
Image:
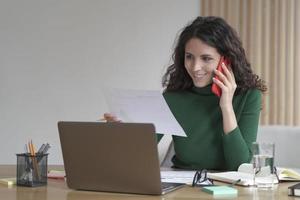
(200, 60)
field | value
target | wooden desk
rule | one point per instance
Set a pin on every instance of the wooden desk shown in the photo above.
(58, 190)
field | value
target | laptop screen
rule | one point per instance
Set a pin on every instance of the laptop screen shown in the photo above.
(114, 157)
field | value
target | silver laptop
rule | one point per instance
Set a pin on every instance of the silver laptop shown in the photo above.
(112, 157)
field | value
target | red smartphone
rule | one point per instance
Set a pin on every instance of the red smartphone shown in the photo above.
(215, 88)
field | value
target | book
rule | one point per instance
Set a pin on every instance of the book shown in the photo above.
(287, 174)
(220, 190)
(294, 190)
(8, 181)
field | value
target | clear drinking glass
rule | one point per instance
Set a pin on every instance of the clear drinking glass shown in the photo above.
(263, 164)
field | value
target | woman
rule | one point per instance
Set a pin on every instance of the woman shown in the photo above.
(220, 130)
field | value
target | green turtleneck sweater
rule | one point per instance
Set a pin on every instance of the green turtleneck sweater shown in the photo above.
(206, 146)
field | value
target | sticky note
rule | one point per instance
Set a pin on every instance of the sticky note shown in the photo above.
(8, 181)
(220, 190)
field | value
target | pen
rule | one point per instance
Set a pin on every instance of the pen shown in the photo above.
(234, 183)
(41, 148)
(47, 146)
(26, 149)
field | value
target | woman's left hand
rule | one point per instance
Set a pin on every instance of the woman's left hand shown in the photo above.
(227, 84)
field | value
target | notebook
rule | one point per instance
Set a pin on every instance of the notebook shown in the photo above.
(112, 157)
(243, 176)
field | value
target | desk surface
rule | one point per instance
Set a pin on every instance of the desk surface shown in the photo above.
(58, 190)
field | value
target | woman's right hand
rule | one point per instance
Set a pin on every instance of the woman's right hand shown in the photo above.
(110, 118)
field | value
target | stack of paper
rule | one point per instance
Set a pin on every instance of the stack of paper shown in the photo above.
(177, 176)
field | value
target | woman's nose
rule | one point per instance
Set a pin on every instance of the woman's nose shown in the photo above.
(197, 65)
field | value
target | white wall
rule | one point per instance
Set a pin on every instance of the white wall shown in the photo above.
(56, 56)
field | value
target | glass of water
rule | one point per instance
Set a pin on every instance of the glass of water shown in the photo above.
(263, 164)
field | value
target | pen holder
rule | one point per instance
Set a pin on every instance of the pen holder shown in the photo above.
(32, 170)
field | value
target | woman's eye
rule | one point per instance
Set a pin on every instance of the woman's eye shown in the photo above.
(207, 59)
(188, 56)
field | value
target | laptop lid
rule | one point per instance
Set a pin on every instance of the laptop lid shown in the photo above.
(112, 157)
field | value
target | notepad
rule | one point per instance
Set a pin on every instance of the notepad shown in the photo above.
(8, 181)
(56, 174)
(220, 190)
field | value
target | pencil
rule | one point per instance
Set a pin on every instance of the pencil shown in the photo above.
(35, 164)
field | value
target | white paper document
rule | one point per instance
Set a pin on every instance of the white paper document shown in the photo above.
(143, 106)
(185, 177)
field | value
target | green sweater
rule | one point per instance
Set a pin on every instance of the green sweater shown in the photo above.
(206, 146)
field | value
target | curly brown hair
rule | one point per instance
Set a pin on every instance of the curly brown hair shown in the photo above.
(215, 32)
